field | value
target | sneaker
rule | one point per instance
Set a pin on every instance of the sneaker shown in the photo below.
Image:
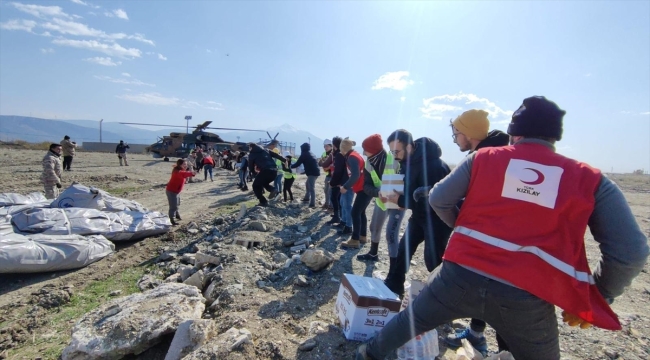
(479, 343)
(273, 194)
(347, 230)
(178, 217)
(305, 200)
(350, 244)
(367, 257)
(334, 220)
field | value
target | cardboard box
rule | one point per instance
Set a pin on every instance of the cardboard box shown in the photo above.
(364, 306)
(391, 183)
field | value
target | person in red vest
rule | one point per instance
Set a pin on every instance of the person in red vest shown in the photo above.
(175, 186)
(356, 166)
(506, 265)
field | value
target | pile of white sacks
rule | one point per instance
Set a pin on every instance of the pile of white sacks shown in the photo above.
(76, 229)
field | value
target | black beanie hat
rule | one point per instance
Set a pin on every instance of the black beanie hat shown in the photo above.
(336, 141)
(66, 137)
(537, 116)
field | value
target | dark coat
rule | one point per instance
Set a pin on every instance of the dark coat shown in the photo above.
(262, 158)
(308, 159)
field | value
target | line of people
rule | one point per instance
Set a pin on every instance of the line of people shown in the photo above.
(503, 235)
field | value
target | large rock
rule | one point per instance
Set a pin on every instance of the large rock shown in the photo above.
(222, 345)
(189, 336)
(132, 324)
(316, 259)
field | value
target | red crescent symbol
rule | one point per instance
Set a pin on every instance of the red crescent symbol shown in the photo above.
(540, 177)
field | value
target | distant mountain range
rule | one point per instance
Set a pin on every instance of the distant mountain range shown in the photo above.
(32, 129)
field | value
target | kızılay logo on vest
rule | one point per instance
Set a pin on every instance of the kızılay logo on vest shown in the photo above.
(530, 190)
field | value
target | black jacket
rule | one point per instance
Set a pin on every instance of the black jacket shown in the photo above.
(495, 138)
(121, 148)
(423, 167)
(340, 174)
(368, 185)
(263, 159)
(308, 159)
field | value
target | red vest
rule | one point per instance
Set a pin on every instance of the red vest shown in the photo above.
(524, 221)
(358, 186)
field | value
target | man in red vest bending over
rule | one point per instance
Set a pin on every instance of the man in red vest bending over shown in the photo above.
(518, 245)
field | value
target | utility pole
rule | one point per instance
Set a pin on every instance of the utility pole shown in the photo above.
(100, 130)
(188, 118)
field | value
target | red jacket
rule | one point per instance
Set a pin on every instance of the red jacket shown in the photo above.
(177, 181)
(208, 160)
(524, 221)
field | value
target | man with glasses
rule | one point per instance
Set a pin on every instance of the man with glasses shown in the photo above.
(421, 166)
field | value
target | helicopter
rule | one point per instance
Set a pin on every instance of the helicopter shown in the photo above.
(179, 144)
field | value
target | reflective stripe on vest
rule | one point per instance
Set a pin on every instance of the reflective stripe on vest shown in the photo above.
(388, 169)
(548, 258)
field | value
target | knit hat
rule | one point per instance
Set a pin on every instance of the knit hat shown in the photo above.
(537, 116)
(66, 137)
(473, 123)
(276, 150)
(327, 142)
(373, 144)
(346, 145)
(336, 141)
(286, 153)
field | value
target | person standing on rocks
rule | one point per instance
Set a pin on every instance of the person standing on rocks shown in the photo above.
(327, 146)
(470, 133)
(208, 165)
(339, 177)
(289, 176)
(311, 170)
(243, 171)
(421, 165)
(174, 188)
(191, 162)
(509, 268)
(262, 159)
(199, 159)
(354, 186)
(380, 163)
(68, 152)
(280, 175)
(120, 150)
(52, 169)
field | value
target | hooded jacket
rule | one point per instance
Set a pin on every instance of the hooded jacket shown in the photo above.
(68, 147)
(308, 159)
(423, 167)
(262, 158)
(495, 138)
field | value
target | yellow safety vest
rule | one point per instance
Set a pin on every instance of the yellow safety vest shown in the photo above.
(389, 169)
(278, 164)
(327, 172)
(290, 174)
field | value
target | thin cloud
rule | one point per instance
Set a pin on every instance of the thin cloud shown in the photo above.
(79, 2)
(625, 112)
(448, 106)
(158, 99)
(402, 99)
(161, 57)
(113, 49)
(78, 29)
(121, 14)
(393, 80)
(645, 113)
(105, 61)
(588, 75)
(41, 11)
(47, 51)
(208, 51)
(126, 74)
(123, 81)
(24, 25)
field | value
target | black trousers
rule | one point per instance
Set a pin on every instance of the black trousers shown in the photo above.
(287, 188)
(359, 218)
(67, 161)
(335, 197)
(435, 235)
(263, 181)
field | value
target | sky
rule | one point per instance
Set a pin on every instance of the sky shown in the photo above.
(337, 68)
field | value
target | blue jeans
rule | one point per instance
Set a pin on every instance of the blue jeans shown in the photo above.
(278, 183)
(526, 322)
(242, 178)
(346, 207)
(207, 169)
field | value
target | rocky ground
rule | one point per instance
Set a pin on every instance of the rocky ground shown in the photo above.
(262, 302)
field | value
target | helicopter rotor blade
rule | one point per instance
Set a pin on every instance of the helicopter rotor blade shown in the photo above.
(130, 123)
(276, 135)
(267, 133)
(221, 128)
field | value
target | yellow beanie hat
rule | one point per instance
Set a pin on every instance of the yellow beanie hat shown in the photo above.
(276, 150)
(473, 124)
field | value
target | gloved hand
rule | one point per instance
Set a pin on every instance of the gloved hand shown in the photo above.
(574, 320)
(421, 192)
(58, 185)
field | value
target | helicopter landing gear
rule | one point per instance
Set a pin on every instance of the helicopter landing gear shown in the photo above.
(166, 158)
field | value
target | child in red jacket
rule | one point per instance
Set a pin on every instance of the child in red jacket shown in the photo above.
(175, 186)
